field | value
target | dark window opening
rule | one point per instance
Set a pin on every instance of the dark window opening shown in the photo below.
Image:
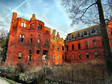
(21, 39)
(72, 36)
(79, 55)
(94, 43)
(67, 47)
(75, 37)
(63, 57)
(58, 47)
(73, 56)
(96, 54)
(30, 56)
(30, 51)
(87, 55)
(111, 33)
(53, 46)
(85, 33)
(72, 47)
(31, 40)
(38, 51)
(79, 46)
(93, 30)
(86, 45)
(46, 42)
(78, 35)
(62, 47)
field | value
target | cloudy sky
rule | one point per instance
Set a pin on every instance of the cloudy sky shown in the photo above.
(51, 12)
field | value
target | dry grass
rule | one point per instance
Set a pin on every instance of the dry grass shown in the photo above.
(87, 73)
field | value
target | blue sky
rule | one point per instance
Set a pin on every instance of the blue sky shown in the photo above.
(51, 12)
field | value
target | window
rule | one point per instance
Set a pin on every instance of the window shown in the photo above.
(73, 56)
(30, 51)
(21, 38)
(63, 57)
(96, 54)
(53, 56)
(31, 40)
(67, 56)
(62, 47)
(72, 47)
(19, 55)
(53, 46)
(58, 47)
(38, 41)
(72, 36)
(111, 33)
(32, 25)
(85, 33)
(58, 56)
(67, 47)
(29, 58)
(38, 51)
(78, 35)
(87, 55)
(79, 46)
(79, 55)
(94, 43)
(38, 25)
(46, 42)
(22, 24)
(86, 45)
(93, 30)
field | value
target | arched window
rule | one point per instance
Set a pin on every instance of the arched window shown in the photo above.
(19, 55)
(38, 51)
(73, 56)
(96, 54)
(30, 51)
(21, 38)
(87, 55)
(31, 40)
(38, 41)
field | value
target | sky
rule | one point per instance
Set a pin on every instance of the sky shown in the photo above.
(51, 12)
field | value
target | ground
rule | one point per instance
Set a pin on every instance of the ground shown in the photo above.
(2, 81)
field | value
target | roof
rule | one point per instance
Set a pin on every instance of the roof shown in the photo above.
(84, 29)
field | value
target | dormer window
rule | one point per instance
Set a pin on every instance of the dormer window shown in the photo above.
(85, 33)
(93, 30)
(78, 35)
(22, 24)
(72, 36)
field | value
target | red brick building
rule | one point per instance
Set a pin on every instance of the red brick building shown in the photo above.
(86, 44)
(28, 41)
(56, 48)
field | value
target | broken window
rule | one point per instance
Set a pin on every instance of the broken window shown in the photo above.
(87, 55)
(30, 57)
(21, 38)
(31, 40)
(85, 33)
(86, 45)
(67, 47)
(38, 40)
(62, 47)
(58, 56)
(94, 43)
(53, 56)
(79, 46)
(46, 42)
(58, 47)
(96, 54)
(38, 51)
(79, 55)
(73, 56)
(72, 47)
(19, 55)
(30, 51)
(53, 46)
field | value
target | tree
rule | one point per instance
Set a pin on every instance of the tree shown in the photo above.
(91, 12)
